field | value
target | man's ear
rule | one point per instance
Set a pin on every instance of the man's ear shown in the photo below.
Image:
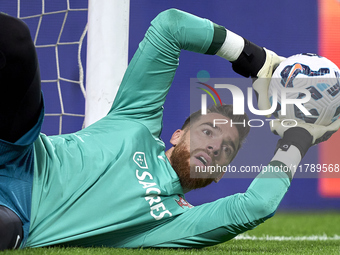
(176, 137)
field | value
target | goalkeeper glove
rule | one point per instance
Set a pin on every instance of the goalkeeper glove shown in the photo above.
(303, 135)
(257, 62)
(261, 83)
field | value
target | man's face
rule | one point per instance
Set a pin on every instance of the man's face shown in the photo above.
(203, 146)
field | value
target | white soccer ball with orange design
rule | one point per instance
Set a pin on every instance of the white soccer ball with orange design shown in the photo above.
(316, 74)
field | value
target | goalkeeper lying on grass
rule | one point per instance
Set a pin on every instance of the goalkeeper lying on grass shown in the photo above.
(112, 184)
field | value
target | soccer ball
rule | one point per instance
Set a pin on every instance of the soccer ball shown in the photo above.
(319, 76)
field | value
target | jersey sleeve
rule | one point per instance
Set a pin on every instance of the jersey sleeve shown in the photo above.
(149, 75)
(222, 220)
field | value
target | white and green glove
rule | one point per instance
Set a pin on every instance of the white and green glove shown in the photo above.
(302, 135)
(262, 80)
(258, 63)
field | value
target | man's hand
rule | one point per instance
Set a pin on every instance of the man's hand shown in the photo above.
(258, 63)
(262, 80)
(302, 135)
(269, 66)
(318, 132)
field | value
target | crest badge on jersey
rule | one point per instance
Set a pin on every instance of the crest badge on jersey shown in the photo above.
(183, 203)
(140, 160)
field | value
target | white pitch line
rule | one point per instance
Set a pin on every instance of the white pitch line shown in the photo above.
(288, 238)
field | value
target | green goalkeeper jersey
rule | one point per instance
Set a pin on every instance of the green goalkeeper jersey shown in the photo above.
(111, 184)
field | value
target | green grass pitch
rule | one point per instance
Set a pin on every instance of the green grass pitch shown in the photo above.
(285, 233)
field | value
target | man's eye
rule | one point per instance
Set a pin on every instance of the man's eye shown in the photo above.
(207, 132)
(228, 150)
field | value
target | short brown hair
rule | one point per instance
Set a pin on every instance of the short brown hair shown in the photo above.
(227, 111)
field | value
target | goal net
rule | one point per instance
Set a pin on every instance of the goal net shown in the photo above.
(59, 30)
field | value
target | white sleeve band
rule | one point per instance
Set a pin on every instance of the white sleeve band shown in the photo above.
(291, 158)
(232, 46)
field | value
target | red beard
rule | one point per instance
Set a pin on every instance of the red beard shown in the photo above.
(180, 161)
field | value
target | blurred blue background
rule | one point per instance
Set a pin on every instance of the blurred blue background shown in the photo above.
(286, 27)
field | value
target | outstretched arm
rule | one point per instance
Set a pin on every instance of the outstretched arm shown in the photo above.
(150, 73)
(222, 220)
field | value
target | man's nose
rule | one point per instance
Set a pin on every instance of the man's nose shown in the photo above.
(214, 147)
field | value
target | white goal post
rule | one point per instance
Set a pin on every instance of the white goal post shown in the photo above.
(107, 55)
